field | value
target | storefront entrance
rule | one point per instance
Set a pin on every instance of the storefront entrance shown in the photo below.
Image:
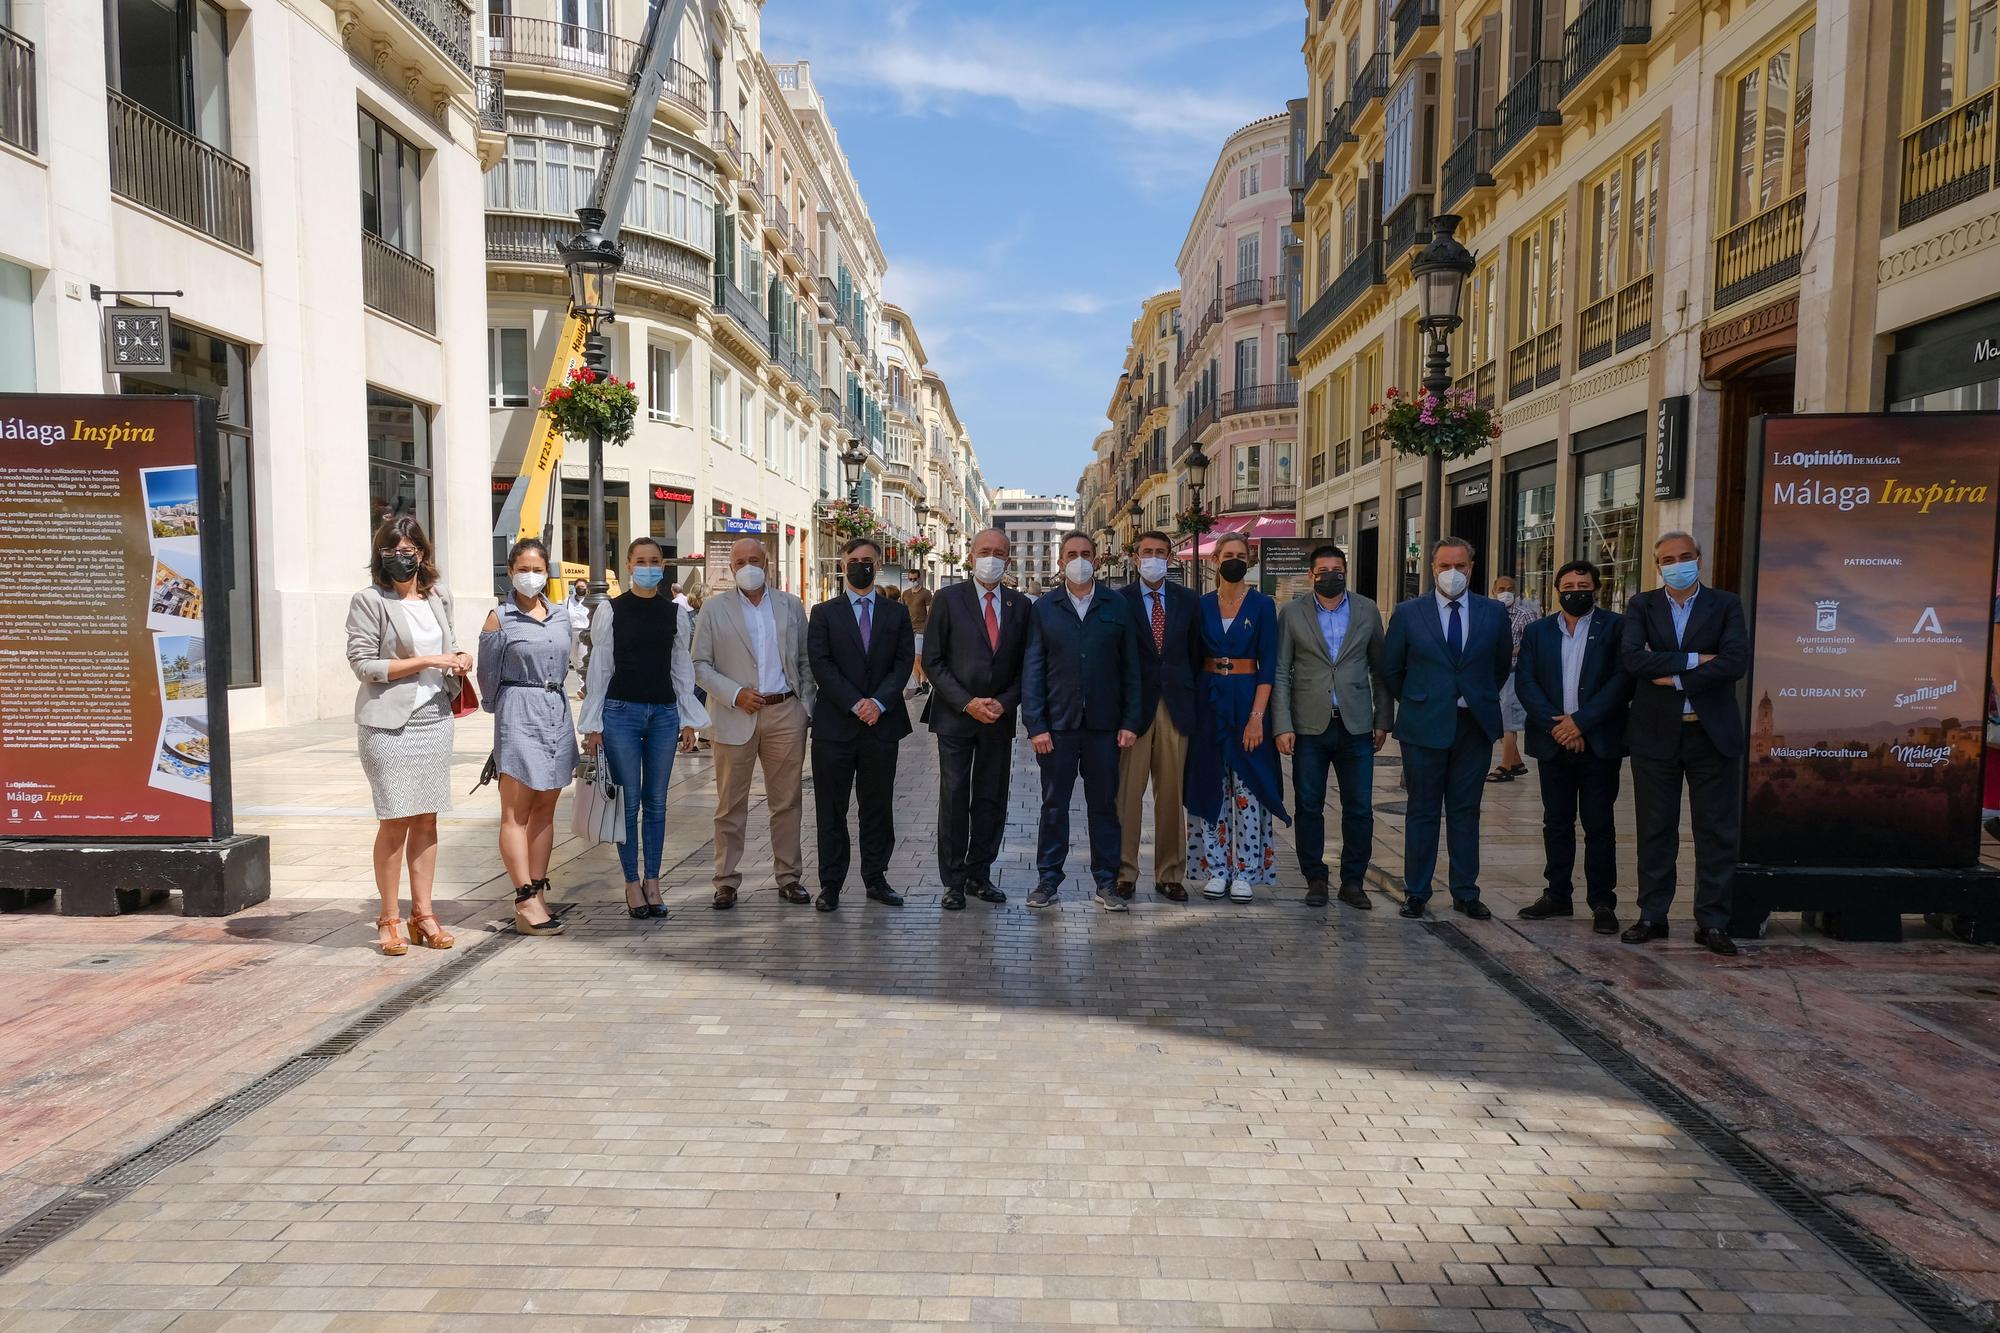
(1471, 518)
(1753, 358)
(1367, 578)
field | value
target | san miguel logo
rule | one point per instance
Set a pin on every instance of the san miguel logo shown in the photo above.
(1925, 695)
(1919, 495)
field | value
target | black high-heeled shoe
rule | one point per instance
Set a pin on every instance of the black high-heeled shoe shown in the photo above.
(644, 910)
(649, 889)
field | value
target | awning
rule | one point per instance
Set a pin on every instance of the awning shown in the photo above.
(1254, 526)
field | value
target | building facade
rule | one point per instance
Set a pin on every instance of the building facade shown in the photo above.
(1659, 202)
(1034, 525)
(161, 145)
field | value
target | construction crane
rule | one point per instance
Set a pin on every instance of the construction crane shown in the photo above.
(528, 506)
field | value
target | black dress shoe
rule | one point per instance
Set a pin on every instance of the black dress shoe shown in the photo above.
(1126, 891)
(794, 893)
(1641, 931)
(1715, 941)
(888, 897)
(1604, 921)
(1356, 896)
(1173, 891)
(954, 900)
(828, 900)
(986, 893)
(1475, 909)
(1545, 907)
(1316, 893)
(1411, 911)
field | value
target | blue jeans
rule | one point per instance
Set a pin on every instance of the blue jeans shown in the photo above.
(1448, 783)
(639, 740)
(1352, 759)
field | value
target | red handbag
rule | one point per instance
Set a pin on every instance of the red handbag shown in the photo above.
(467, 702)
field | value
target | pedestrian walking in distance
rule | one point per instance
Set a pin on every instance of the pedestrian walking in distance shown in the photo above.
(1521, 613)
(1169, 620)
(918, 600)
(974, 648)
(1445, 657)
(1234, 785)
(1576, 694)
(1080, 704)
(861, 648)
(1332, 709)
(639, 705)
(402, 647)
(524, 654)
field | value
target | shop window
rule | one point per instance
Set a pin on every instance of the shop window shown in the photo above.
(1608, 518)
(1531, 551)
(1770, 128)
(399, 459)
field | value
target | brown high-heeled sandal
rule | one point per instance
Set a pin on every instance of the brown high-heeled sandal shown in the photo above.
(433, 936)
(394, 946)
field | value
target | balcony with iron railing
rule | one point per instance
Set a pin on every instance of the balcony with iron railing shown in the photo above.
(1482, 383)
(160, 166)
(1620, 321)
(1260, 398)
(1534, 362)
(1468, 167)
(1237, 295)
(446, 24)
(1412, 16)
(1211, 315)
(1197, 424)
(1761, 253)
(490, 87)
(398, 285)
(537, 239)
(1371, 85)
(17, 92)
(750, 186)
(516, 39)
(1950, 158)
(1533, 102)
(1602, 27)
(1363, 272)
(726, 140)
(1407, 227)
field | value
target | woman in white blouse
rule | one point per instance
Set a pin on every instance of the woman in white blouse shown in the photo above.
(638, 701)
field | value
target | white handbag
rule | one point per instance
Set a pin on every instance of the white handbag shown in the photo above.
(598, 814)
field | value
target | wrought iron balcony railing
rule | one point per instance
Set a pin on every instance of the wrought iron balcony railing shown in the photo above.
(1481, 383)
(17, 91)
(533, 238)
(516, 39)
(162, 167)
(1949, 159)
(1371, 84)
(1533, 101)
(490, 85)
(1601, 28)
(1407, 227)
(1468, 167)
(725, 138)
(1411, 17)
(1363, 272)
(447, 23)
(1535, 361)
(1260, 398)
(1246, 293)
(1761, 253)
(1632, 324)
(401, 286)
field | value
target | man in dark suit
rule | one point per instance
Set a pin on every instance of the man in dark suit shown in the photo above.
(1685, 646)
(1576, 694)
(974, 641)
(1168, 617)
(861, 646)
(1445, 658)
(1080, 704)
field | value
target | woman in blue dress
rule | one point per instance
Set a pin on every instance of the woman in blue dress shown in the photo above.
(1233, 782)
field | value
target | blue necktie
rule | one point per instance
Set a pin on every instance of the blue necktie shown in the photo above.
(1455, 632)
(868, 621)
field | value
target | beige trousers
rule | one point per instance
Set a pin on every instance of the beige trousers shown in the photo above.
(780, 746)
(1159, 755)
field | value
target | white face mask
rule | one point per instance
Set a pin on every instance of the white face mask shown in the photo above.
(1505, 598)
(1152, 568)
(750, 578)
(1451, 582)
(989, 569)
(1079, 569)
(530, 584)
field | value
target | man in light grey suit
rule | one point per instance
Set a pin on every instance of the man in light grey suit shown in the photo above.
(750, 656)
(1332, 709)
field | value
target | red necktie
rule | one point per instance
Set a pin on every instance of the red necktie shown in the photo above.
(1159, 622)
(992, 624)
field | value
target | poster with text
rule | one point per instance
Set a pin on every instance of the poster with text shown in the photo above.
(106, 702)
(1874, 610)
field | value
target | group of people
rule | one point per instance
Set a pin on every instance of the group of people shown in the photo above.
(1140, 688)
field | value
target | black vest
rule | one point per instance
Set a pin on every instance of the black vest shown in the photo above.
(642, 648)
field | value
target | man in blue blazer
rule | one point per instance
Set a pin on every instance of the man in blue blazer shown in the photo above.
(1080, 707)
(1445, 658)
(1168, 617)
(1576, 693)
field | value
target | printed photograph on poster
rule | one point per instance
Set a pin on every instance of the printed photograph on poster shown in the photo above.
(173, 515)
(173, 604)
(180, 764)
(183, 671)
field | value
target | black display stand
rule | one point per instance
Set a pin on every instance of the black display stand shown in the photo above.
(1867, 904)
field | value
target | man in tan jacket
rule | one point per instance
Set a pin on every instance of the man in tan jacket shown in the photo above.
(917, 601)
(750, 657)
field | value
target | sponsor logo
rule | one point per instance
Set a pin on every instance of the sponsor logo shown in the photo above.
(1921, 756)
(1929, 630)
(1826, 617)
(1927, 623)
(1829, 458)
(1925, 694)
(1817, 752)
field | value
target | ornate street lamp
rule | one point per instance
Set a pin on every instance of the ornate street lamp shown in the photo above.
(852, 460)
(1440, 270)
(1197, 470)
(593, 260)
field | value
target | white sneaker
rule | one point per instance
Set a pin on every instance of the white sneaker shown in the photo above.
(1217, 887)
(1239, 892)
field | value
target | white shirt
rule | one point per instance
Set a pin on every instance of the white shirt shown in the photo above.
(1082, 604)
(1464, 601)
(761, 619)
(597, 683)
(427, 638)
(1574, 642)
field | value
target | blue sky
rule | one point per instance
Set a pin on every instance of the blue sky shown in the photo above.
(1031, 168)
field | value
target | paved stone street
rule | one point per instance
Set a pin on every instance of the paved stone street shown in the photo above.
(1205, 1116)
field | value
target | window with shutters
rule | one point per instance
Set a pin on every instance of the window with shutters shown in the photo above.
(1476, 83)
(1246, 363)
(1248, 258)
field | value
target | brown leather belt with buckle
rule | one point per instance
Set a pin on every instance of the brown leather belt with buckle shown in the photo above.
(1690, 717)
(1233, 666)
(770, 699)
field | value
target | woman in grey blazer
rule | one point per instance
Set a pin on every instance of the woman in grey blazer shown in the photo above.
(401, 646)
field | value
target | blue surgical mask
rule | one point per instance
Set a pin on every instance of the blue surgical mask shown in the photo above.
(648, 576)
(1680, 577)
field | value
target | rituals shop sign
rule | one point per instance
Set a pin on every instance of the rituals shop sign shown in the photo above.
(1874, 607)
(112, 721)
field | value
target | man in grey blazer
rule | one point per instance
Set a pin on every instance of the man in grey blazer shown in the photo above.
(1332, 709)
(750, 656)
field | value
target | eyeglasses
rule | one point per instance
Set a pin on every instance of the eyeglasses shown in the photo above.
(402, 550)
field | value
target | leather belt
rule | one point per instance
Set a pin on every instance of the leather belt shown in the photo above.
(552, 688)
(1232, 666)
(775, 698)
(1690, 717)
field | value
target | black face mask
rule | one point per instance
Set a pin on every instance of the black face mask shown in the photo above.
(1330, 586)
(400, 568)
(1577, 601)
(860, 573)
(1233, 570)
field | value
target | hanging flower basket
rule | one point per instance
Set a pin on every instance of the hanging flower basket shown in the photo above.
(589, 401)
(1193, 521)
(919, 547)
(1455, 426)
(851, 520)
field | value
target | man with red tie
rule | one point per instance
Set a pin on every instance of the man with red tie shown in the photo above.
(973, 645)
(1170, 653)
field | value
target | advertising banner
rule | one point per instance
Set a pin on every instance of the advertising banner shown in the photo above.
(112, 721)
(715, 555)
(1874, 611)
(1284, 566)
